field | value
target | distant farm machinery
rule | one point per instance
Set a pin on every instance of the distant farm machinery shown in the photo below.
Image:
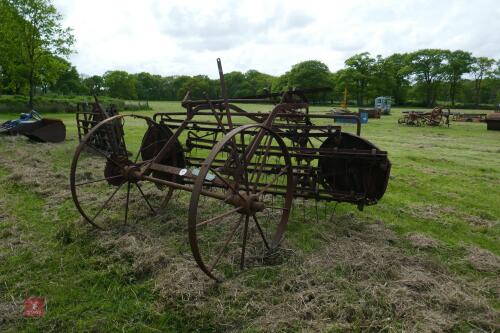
(35, 128)
(436, 117)
(88, 116)
(243, 170)
(468, 117)
(382, 106)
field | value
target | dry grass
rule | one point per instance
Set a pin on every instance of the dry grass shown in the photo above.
(483, 260)
(10, 311)
(440, 213)
(429, 211)
(361, 278)
(421, 241)
(32, 167)
(479, 221)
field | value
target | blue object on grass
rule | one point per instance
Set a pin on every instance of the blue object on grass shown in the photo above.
(363, 117)
(24, 118)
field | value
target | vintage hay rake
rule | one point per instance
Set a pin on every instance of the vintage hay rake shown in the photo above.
(436, 117)
(243, 170)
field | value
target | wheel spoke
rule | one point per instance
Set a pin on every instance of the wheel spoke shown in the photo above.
(143, 148)
(243, 246)
(233, 232)
(262, 162)
(262, 158)
(253, 147)
(104, 155)
(99, 180)
(261, 232)
(216, 218)
(272, 182)
(166, 200)
(234, 153)
(106, 202)
(244, 164)
(226, 182)
(126, 203)
(144, 196)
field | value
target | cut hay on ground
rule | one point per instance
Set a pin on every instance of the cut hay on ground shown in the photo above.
(361, 277)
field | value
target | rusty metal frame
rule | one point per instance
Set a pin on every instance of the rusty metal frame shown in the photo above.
(344, 168)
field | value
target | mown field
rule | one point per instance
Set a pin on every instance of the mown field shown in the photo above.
(425, 258)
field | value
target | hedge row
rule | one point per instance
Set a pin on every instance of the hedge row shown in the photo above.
(18, 104)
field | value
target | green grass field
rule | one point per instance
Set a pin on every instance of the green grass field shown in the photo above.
(425, 258)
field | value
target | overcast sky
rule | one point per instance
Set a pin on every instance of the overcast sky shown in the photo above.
(185, 37)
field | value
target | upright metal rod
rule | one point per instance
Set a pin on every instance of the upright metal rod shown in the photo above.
(224, 94)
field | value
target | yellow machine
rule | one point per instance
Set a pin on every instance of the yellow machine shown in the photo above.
(343, 104)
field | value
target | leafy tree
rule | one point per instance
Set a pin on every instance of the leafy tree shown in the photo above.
(490, 89)
(311, 74)
(394, 72)
(458, 63)
(68, 80)
(214, 91)
(145, 85)
(166, 89)
(120, 84)
(281, 83)
(94, 85)
(428, 69)
(480, 68)
(343, 79)
(360, 69)
(12, 67)
(235, 84)
(49, 72)
(199, 85)
(245, 89)
(496, 78)
(178, 83)
(149, 87)
(42, 36)
(59, 76)
(258, 81)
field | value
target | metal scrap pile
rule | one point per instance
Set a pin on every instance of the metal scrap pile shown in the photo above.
(88, 116)
(468, 117)
(436, 117)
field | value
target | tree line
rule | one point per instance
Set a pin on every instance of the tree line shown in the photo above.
(34, 47)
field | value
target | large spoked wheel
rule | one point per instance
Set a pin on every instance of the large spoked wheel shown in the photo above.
(103, 179)
(241, 201)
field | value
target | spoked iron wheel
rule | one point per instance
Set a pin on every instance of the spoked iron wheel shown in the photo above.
(103, 180)
(241, 201)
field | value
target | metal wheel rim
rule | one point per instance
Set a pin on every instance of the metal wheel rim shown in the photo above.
(197, 188)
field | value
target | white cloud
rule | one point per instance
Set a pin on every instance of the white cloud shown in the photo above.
(185, 37)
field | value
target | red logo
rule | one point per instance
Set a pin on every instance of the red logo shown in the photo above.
(34, 307)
